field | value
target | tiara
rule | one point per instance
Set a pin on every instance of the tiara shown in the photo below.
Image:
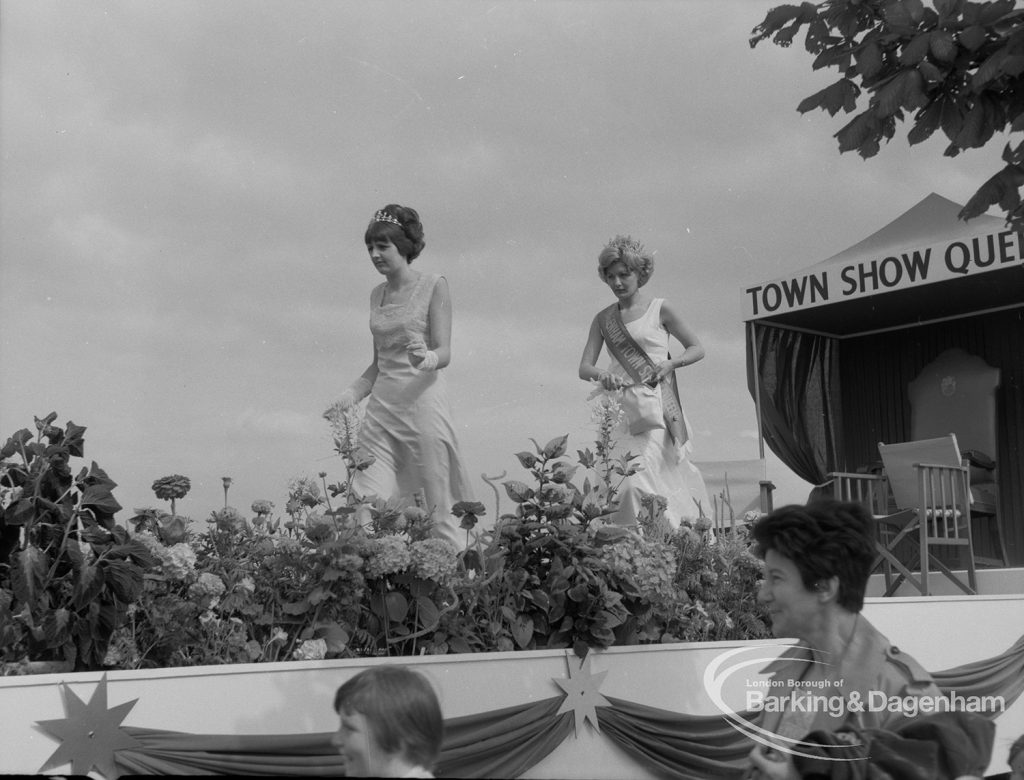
(383, 216)
(626, 243)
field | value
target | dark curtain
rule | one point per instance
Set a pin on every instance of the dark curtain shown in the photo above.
(798, 377)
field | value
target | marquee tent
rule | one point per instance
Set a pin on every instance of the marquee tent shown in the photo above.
(831, 348)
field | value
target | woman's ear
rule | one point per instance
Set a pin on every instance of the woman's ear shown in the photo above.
(827, 589)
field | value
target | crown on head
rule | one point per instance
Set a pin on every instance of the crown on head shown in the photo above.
(383, 216)
(625, 244)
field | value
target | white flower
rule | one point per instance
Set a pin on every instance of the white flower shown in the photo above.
(179, 561)
(311, 650)
(279, 635)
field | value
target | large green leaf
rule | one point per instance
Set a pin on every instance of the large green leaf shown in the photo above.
(124, 579)
(88, 584)
(28, 574)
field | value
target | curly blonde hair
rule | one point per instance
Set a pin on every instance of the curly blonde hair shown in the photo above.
(629, 251)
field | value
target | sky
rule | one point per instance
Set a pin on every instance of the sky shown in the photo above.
(184, 188)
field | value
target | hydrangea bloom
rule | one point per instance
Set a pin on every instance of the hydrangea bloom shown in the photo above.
(179, 561)
(387, 555)
(433, 559)
(209, 585)
(651, 565)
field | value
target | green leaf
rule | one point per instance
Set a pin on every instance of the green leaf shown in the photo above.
(124, 579)
(15, 443)
(927, 122)
(869, 60)
(518, 491)
(335, 635)
(942, 45)
(428, 613)
(522, 630)
(300, 607)
(916, 50)
(971, 134)
(397, 606)
(527, 459)
(556, 447)
(88, 584)
(74, 439)
(972, 38)
(28, 575)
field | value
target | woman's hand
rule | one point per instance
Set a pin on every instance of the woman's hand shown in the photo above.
(417, 349)
(663, 369)
(769, 764)
(610, 381)
(421, 357)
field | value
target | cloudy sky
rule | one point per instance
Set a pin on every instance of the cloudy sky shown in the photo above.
(185, 187)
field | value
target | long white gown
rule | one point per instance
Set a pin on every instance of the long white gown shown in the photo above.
(408, 425)
(667, 470)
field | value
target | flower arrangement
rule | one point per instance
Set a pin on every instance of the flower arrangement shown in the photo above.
(342, 575)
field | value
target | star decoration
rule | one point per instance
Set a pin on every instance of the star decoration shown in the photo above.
(582, 696)
(90, 734)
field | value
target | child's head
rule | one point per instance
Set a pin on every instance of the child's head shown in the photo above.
(387, 713)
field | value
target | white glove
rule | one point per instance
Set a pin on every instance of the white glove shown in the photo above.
(417, 348)
(354, 394)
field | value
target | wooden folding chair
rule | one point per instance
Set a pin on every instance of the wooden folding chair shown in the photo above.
(872, 492)
(930, 484)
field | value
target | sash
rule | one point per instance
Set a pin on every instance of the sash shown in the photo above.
(641, 369)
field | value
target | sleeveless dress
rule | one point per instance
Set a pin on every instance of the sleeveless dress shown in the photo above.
(667, 469)
(407, 425)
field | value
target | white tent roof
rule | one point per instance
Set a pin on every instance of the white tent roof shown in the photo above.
(925, 265)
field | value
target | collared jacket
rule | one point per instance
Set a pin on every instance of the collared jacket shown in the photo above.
(874, 685)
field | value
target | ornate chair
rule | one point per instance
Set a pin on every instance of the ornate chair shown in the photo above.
(957, 392)
(930, 484)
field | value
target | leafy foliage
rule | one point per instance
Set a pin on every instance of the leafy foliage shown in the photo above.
(67, 572)
(956, 67)
(343, 575)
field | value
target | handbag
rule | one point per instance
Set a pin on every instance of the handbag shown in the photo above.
(641, 405)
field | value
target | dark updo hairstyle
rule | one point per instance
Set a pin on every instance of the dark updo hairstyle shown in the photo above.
(406, 236)
(401, 708)
(824, 539)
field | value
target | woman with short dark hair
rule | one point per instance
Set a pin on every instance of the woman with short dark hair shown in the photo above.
(843, 673)
(390, 724)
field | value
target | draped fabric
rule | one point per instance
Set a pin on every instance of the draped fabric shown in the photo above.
(509, 741)
(796, 376)
(685, 747)
(1002, 675)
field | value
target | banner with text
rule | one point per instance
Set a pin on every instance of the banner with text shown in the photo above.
(819, 286)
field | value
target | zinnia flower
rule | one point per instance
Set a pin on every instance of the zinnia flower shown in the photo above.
(174, 486)
(262, 507)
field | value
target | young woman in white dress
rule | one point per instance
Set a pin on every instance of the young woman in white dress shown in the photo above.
(663, 449)
(407, 426)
